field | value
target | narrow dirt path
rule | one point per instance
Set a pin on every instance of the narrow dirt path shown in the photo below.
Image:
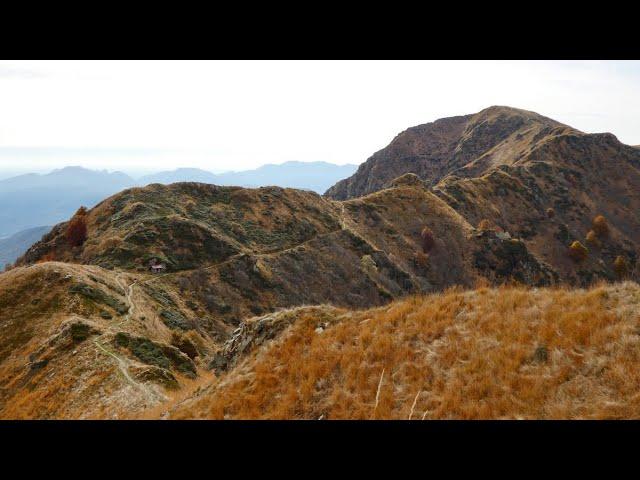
(129, 297)
(124, 364)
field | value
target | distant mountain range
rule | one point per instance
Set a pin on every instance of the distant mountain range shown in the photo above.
(33, 200)
(316, 176)
(18, 243)
(29, 201)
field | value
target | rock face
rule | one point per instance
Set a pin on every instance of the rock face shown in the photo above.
(465, 145)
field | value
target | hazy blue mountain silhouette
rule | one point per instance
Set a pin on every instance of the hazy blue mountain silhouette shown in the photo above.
(316, 176)
(18, 243)
(33, 200)
(178, 175)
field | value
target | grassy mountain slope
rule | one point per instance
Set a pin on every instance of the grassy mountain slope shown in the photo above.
(79, 341)
(487, 353)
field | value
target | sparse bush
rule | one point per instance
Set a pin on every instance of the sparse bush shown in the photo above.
(578, 252)
(621, 266)
(600, 226)
(551, 212)
(484, 225)
(199, 278)
(428, 240)
(80, 331)
(592, 239)
(541, 354)
(563, 233)
(76, 233)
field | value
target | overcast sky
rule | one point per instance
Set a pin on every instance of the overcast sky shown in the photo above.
(221, 115)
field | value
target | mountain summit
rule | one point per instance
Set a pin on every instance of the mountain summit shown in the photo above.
(467, 145)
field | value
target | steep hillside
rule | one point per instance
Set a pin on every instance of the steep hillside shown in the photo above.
(578, 177)
(236, 252)
(188, 225)
(470, 143)
(82, 342)
(538, 180)
(511, 353)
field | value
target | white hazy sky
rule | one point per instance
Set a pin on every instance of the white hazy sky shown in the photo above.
(234, 115)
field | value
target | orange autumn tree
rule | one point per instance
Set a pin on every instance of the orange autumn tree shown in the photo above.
(600, 226)
(76, 233)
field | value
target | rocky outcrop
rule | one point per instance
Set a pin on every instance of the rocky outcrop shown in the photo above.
(255, 332)
(466, 145)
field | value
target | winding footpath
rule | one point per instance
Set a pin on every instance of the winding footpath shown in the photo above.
(124, 364)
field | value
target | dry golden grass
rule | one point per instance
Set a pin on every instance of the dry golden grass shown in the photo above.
(509, 352)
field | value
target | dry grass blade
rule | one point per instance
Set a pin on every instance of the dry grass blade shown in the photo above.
(415, 400)
(378, 394)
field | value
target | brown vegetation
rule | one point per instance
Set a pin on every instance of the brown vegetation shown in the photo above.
(578, 252)
(484, 225)
(621, 267)
(600, 226)
(428, 240)
(421, 259)
(490, 353)
(593, 240)
(76, 233)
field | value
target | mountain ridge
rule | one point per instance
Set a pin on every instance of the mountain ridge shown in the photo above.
(500, 197)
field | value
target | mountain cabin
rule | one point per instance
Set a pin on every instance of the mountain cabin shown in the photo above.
(156, 267)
